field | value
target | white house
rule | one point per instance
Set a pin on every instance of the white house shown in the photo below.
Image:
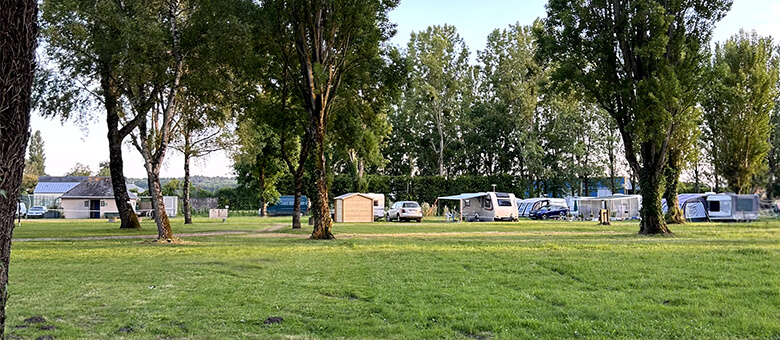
(92, 198)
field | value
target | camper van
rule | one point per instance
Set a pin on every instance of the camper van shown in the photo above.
(732, 207)
(285, 206)
(379, 205)
(490, 206)
(527, 205)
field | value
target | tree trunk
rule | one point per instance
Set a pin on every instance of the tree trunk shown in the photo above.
(674, 215)
(261, 183)
(296, 220)
(321, 211)
(186, 189)
(127, 215)
(650, 182)
(164, 231)
(18, 34)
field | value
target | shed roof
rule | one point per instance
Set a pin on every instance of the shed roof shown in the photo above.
(344, 196)
(94, 187)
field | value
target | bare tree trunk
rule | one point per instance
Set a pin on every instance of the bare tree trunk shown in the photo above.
(18, 34)
(164, 231)
(127, 215)
(297, 201)
(261, 183)
(321, 211)
(187, 181)
(674, 214)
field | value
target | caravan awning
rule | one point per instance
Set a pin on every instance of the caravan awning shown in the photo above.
(463, 196)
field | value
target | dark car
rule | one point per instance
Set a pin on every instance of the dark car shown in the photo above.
(550, 211)
(286, 205)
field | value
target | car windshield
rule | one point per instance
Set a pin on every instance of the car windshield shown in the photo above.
(411, 205)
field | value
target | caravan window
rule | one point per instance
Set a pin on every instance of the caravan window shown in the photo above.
(376, 203)
(488, 203)
(714, 206)
(504, 203)
(744, 204)
(467, 203)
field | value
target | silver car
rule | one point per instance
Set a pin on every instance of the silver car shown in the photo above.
(404, 211)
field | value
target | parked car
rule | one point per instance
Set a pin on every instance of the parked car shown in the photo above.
(404, 210)
(285, 206)
(36, 212)
(550, 211)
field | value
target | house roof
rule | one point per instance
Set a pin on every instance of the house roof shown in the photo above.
(94, 187)
(54, 187)
(59, 179)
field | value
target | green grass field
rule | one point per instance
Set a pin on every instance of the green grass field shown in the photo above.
(531, 280)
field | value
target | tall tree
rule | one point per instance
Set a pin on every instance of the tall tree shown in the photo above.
(773, 157)
(36, 156)
(682, 153)
(641, 61)
(439, 94)
(501, 121)
(18, 40)
(334, 40)
(740, 97)
(96, 46)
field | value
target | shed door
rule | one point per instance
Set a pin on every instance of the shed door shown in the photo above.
(339, 211)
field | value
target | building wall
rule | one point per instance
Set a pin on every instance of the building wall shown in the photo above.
(74, 207)
(358, 209)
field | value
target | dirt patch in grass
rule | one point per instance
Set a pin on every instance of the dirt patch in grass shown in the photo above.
(35, 319)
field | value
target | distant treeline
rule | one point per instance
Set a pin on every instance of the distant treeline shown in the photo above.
(210, 184)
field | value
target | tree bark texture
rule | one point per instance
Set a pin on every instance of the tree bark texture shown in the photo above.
(261, 184)
(651, 186)
(127, 215)
(18, 34)
(321, 211)
(297, 202)
(164, 231)
(674, 215)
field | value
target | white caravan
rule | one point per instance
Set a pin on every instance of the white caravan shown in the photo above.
(486, 206)
(379, 205)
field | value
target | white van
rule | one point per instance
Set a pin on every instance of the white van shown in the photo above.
(490, 206)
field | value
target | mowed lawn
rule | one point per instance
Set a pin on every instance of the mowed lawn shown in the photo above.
(526, 280)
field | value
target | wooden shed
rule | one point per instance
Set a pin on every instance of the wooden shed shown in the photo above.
(353, 207)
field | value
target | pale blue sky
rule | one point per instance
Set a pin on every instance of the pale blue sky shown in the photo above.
(66, 145)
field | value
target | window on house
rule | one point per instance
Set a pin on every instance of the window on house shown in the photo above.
(102, 203)
(86, 204)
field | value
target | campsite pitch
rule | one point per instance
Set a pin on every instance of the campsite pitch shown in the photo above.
(395, 281)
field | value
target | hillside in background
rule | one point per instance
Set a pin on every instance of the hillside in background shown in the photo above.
(206, 183)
